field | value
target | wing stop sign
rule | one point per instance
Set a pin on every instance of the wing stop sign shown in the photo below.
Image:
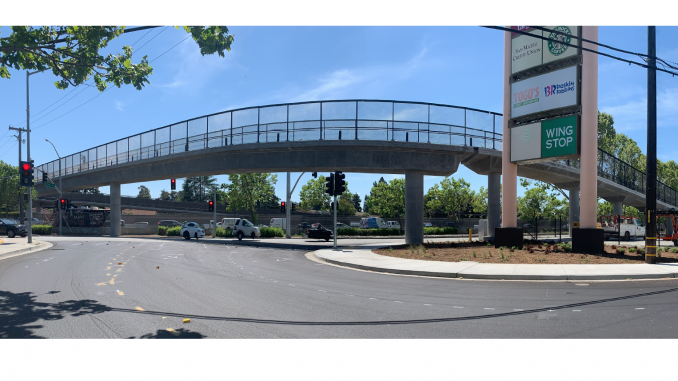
(546, 140)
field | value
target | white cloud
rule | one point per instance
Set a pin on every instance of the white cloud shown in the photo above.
(632, 115)
(119, 106)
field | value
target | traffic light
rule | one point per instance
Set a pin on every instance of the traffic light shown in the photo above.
(62, 203)
(211, 206)
(294, 206)
(282, 206)
(315, 175)
(331, 206)
(44, 177)
(173, 185)
(26, 173)
(339, 183)
(329, 185)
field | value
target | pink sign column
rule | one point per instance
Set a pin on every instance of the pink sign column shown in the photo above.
(589, 131)
(509, 171)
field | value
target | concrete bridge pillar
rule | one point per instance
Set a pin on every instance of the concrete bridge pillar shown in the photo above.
(574, 207)
(414, 207)
(617, 207)
(116, 211)
(493, 202)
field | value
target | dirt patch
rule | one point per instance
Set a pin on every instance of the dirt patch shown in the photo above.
(535, 252)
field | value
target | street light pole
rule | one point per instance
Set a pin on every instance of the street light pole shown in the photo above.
(60, 194)
(28, 155)
(651, 185)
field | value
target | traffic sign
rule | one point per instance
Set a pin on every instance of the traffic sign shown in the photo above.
(49, 185)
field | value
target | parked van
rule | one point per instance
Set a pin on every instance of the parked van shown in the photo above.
(227, 223)
(393, 225)
(372, 223)
(278, 223)
(355, 224)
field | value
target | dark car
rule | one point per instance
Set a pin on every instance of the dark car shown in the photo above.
(319, 233)
(305, 225)
(449, 224)
(11, 229)
(169, 223)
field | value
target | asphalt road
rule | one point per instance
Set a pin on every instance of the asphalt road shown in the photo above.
(144, 288)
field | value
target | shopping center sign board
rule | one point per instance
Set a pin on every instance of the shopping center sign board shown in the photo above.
(544, 92)
(528, 51)
(545, 140)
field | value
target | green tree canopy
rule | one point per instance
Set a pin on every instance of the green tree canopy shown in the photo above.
(313, 196)
(356, 202)
(198, 189)
(144, 192)
(452, 196)
(72, 52)
(246, 189)
(387, 199)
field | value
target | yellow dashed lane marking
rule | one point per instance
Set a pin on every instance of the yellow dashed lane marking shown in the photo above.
(108, 268)
(139, 308)
(115, 275)
(173, 332)
(121, 293)
(101, 284)
(112, 281)
(108, 274)
(118, 270)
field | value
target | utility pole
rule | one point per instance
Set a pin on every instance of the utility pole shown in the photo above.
(214, 228)
(21, 201)
(334, 232)
(651, 180)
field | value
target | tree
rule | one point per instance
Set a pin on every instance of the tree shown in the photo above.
(313, 196)
(88, 191)
(245, 189)
(356, 202)
(606, 132)
(451, 196)
(72, 52)
(144, 192)
(169, 196)
(387, 199)
(198, 189)
(532, 206)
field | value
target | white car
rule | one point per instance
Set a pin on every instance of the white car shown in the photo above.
(192, 230)
(244, 228)
(393, 225)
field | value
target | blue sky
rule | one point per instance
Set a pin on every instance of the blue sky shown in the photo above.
(450, 65)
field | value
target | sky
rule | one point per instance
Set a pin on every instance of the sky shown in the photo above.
(459, 66)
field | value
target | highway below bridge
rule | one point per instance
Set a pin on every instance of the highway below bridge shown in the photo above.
(363, 136)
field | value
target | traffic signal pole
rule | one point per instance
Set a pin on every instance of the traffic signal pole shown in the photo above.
(288, 207)
(214, 208)
(335, 222)
(28, 159)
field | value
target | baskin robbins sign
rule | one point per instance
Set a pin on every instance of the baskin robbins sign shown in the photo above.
(544, 92)
(546, 140)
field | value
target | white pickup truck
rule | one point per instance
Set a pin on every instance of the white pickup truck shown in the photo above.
(626, 227)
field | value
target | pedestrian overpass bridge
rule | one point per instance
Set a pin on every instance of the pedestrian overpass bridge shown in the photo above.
(367, 136)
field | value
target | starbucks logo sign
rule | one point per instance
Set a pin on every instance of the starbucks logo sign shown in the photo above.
(560, 35)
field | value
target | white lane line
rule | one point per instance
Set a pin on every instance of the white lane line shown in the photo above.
(489, 308)
(322, 290)
(457, 307)
(518, 309)
(395, 301)
(205, 246)
(291, 284)
(427, 304)
(373, 298)
(344, 294)
(576, 310)
(251, 273)
(640, 308)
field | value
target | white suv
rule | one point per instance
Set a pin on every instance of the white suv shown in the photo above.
(244, 228)
(192, 230)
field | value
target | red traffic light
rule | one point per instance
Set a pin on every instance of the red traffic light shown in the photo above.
(174, 181)
(282, 204)
(211, 202)
(63, 200)
(26, 166)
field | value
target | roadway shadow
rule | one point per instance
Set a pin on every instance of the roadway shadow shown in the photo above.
(19, 312)
(175, 334)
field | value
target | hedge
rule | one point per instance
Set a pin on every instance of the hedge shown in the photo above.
(165, 230)
(368, 232)
(42, 229)
(440, 231)
(272, 232)
(221, 232)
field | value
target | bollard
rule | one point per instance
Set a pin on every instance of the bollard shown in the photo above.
(225, 141)
(278, 137)
(407, 136)
(339, 134)
(470, 235)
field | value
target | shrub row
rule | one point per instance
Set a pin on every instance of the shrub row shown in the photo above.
(169, 231)
(272, 232)
(42, 229)
(367, 232)
(440, 231)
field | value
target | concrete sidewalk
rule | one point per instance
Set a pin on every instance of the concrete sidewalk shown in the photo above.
(12, 247)
(363, 258)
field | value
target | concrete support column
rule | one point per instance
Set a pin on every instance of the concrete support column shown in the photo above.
(617, 208)
(116, 211)
(589, 131)
(414, 207)
(288, 210)
(574, 207)
(493, 202)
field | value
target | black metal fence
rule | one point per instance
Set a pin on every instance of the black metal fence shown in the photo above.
(617, 171)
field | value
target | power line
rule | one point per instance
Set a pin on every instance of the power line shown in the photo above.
(582, 48)
(152, 38)
(171, 48)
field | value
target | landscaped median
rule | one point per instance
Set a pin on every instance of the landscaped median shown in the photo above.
(265, 232)
(455, 260)
(356, 232)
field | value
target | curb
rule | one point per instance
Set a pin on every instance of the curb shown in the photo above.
(43, 246)
(521, 277)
